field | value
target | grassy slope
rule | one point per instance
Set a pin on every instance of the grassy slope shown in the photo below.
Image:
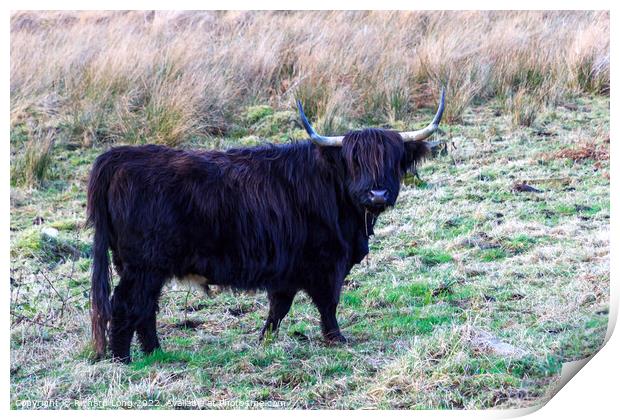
(459, 256)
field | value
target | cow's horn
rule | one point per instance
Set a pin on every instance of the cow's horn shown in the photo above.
(429, 129)
(316, 138)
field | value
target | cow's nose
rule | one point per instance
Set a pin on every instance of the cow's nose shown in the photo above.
(378, 196)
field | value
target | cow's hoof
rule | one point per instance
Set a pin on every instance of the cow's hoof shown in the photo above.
(267, 336)
(98, 357)
(151, 349)
(335, 338)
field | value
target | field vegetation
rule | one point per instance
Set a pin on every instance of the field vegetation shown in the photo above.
(476, 289)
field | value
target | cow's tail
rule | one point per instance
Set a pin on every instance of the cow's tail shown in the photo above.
(98, 218)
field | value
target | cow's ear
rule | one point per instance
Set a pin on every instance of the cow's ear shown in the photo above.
(415, 151)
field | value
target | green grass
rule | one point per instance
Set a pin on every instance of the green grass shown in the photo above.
(455, 227)
(520, 243)
(459, 254)
(256, 113)
(493, 255)
(430, 256)
(400, 323)
(163, 358)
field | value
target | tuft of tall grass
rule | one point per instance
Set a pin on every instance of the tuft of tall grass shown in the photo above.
(32, 166)
(523, 108)
(165, 77)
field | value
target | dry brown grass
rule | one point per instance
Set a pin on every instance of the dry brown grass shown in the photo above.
(166, 76)
(579, 153)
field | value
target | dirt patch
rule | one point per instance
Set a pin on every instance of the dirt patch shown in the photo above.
(187, 324)
(523, 187)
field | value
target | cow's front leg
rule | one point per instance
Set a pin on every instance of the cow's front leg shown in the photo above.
(326, 300)
(279, 305)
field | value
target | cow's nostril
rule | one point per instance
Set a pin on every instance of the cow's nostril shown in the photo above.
(378, 196)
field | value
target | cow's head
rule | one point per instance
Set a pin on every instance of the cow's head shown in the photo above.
(376, 159)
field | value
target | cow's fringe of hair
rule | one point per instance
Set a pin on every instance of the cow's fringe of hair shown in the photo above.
(365, 151)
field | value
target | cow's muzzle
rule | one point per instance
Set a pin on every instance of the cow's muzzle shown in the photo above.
(378, 197)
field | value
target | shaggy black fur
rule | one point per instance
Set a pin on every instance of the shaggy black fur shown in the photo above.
(277, 218)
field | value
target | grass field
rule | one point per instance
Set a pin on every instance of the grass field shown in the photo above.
(473, 294)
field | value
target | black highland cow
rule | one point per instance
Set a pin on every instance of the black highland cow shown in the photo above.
(277, 218)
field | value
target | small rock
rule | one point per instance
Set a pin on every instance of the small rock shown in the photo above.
(588, 299)
(487, 341)
(50, 232)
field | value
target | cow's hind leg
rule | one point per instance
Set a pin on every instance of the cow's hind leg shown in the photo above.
(279, 305)
(134, 305)
(147, 331)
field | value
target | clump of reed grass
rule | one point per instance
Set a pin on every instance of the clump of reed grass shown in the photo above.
(32, 166)
(523, 108)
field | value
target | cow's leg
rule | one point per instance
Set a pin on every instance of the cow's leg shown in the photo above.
(147, 329)
(279, 305)
(326, 300)
(134, 304)
(121, 330)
